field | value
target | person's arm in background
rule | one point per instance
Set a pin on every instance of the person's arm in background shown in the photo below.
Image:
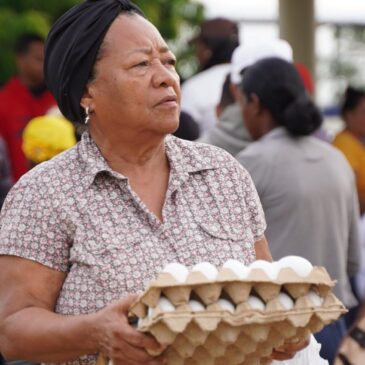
(5, 173)
(360, 185)
(355, 244)
(356, 160)
(30, 330)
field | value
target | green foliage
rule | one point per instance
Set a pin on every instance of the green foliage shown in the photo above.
(347, 67)
(12, 26)
(173, 18)
(53, 8)
(176, 20)
(170, 15)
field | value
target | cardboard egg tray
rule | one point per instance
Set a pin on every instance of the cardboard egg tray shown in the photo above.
(247, 336)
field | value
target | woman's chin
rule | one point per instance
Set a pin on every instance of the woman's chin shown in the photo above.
(168, 126)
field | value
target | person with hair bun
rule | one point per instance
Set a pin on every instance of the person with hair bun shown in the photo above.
(305, 185)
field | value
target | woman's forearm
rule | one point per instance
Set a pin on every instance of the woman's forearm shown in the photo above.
(262, 250)
(39, 335)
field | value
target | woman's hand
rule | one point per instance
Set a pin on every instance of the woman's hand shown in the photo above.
(119, 341)
(288, 350)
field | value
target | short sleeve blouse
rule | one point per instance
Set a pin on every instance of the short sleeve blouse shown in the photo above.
(75, 214)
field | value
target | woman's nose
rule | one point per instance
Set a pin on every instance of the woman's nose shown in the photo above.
(164, 75)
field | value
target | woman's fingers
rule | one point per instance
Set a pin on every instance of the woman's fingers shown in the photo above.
(129, 333)
(281, 356)
(295, 346)
(125, 303)
(120, 341)
(126, 352)
(288, 350)
(139, 339)
(155, 361)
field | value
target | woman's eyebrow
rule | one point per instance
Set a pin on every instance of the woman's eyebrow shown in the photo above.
(149, 50)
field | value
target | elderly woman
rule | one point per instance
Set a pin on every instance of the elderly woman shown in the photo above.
(85, 231)
(306, 186)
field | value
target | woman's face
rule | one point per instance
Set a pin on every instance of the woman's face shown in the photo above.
(136, 88)
(249, 109)
(355, 119)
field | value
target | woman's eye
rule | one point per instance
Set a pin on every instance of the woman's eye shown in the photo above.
(142, 64)
(171, 61)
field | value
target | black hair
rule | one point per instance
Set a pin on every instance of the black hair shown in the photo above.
(226, 95)
(351, 99)
(221, 48)
(281, 91)
(25, 40)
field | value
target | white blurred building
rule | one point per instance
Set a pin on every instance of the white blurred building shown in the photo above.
(259, 20)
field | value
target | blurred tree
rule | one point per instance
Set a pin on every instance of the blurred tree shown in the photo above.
(176, 20)
(347, 67)
(22, 16)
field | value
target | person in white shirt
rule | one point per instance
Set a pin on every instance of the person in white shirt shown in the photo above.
(229, 132)
(201, 93)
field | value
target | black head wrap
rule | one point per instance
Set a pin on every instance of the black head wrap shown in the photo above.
(71, 49)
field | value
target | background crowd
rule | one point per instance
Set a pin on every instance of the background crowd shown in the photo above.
(311, 186)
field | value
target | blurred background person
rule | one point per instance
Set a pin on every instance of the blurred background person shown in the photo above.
(23, 97)
(5, 174)
(351, 140)
(46, 136)
(307, 79)
(188, 128)
(305, 185)
(214, 45)
(230, 132)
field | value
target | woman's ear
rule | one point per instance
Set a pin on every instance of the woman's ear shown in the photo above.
(256, 106)
(87, 99)
(235, 91)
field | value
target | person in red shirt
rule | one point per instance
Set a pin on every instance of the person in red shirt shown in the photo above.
(22, 98)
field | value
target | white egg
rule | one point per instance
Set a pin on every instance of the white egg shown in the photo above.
(226, 305)
(316, 300)
(237, 267)
(206, 268)
(178, 271)
(150, 312)
(286, 301)
(164, 304)
(196, 306)
(299, 264)
(271, 269)
(256, 303)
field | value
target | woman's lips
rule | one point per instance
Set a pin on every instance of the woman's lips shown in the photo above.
(168, 101)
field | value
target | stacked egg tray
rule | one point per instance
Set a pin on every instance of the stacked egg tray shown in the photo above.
(195, 326)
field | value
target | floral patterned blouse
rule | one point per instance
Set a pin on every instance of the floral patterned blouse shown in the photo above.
(75, 214)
